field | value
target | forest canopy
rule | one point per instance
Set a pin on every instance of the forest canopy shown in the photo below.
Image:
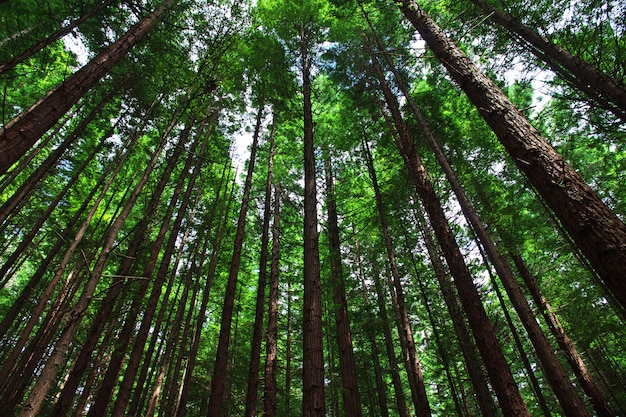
(317, 207)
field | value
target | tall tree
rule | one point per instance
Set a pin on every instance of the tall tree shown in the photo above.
(23, 131)
(599, 233)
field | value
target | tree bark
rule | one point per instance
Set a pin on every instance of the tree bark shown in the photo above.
(347, 366)
(598, 232)
(607, 91)
(257, 333)
(23, 131)
(216, 398)
(270, 389)
(497, 366)
(313, 403)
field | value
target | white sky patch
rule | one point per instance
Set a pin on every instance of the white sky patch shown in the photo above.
(76, 45)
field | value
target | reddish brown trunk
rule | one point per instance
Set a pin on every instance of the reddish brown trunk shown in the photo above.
(313, 404)
(497, 366)
(598, 232)
(23, 131)
(609, 92)
(347, 367)
(216, 398)
(257, 333)
(270, 390)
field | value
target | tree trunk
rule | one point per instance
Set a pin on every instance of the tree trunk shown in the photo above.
(257, 333)
(468, 347)
(23, 131)
(414, 371)
(270, 389)
(381, 390)
(391, 353)
(216, 398)
(607, 91)
(313, 403)
(555, 373)
(497, 366)
(585, 379)
(347, 366)
(593, 226)
(32, 50)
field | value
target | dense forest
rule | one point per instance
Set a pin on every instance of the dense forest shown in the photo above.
(317, 207)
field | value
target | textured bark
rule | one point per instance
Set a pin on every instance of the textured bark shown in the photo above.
(313, 404)
(497, 366)
(347, 366)
(413, 368)
(257, 332)
(468, 347)
(607, 91)
(216, 398)
(12, 62)
(23, 131)
(557, 377)
(597, 231)
(584, 377)
(270, 389)
(62, 345)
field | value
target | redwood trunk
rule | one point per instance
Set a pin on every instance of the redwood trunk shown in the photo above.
(347, 367)
(497, 366)
(23, 131)
(313, 404)
(598, 232)
(219, 377)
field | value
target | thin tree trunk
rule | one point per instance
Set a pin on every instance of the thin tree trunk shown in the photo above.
(607, 91)
(381, 389)
(23, 131)
(257, 333)
(468, 348)
(201, 317)
(313, 403)
(585, 379)
(32, 50)
(347, 366)
(593, 226)
(216, 398)
(62, 345)
(270, 389)
(497, 366)
(391, 353)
